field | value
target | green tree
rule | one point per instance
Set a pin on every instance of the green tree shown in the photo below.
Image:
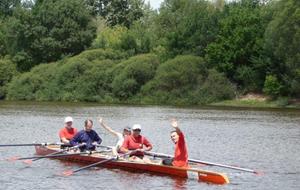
(238, 46)
(118, 12)
(7, 7)
(47, 32)
(186, 26)
(282, 39)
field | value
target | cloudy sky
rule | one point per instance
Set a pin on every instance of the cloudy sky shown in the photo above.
(155, 3)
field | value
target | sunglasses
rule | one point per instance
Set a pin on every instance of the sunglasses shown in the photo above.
(136, 130)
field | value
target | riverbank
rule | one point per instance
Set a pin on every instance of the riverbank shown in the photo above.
(259, 101)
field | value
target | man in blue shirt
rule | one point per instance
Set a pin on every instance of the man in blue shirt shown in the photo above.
(88, 137)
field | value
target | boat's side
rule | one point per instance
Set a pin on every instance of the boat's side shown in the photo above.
(201, 175)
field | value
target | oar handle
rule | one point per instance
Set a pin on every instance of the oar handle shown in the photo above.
(104, 146)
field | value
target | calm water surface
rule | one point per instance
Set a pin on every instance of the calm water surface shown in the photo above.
(264, 140)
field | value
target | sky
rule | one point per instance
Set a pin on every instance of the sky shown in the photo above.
(155, 4)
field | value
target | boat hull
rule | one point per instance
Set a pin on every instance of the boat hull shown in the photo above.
(183, 172)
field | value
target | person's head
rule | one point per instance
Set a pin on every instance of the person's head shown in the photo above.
(68, 122)
(126, 131)
(88, 125)
(136, 130)
(174, 136)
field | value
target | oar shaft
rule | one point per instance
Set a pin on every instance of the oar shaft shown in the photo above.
(62, 151)
(58, 155)
(29, 144)
(101, 162)
(222, 165)
(95, 164)
(204, 162)
(51, 156)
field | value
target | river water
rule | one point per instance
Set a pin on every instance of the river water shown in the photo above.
(263, 140)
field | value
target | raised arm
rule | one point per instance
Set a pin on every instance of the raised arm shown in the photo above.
(107, 127)
(174, 124)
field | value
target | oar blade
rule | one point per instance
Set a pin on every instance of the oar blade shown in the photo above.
(259, 173)
(13, 159)
(68, 173)
(29, 162)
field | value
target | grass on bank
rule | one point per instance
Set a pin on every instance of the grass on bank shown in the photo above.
(282, 102)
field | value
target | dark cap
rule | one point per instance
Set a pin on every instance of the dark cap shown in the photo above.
(127, 128)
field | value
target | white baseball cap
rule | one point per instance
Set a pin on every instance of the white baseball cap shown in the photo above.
(136, 126)
(68, 119)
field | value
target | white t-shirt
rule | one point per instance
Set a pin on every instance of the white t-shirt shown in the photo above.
(120, 140)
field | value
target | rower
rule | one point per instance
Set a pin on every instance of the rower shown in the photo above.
(120, 136)
(137, 143)
(68, 132)
(181, 154)
(87, 136)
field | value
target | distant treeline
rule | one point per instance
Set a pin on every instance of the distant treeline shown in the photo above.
(187, 52)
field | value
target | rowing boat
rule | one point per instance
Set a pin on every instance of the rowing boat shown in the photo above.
(155, 166)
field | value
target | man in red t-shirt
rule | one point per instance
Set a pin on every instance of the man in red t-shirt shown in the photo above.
(68, 132)
(136, 142)
(181, 154)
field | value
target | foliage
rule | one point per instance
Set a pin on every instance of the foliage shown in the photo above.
(272, 86)
(175, 78)
(187, 52)
(282, 45)
(110, 37)
(118, 12)
(239, 44)
(80, 78)
(47, 32)
(135, 72)
(215, 88)
(7, 72)
(7, 7)
(186, 26)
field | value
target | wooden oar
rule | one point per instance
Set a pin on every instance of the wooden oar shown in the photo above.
(30, 144)
(205, 162)
(46, 156)
(71, 172)
(53, 155)
(29, 161)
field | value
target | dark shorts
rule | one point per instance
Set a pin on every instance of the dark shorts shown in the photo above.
(139, 156)
(65, 146)
(167, 161)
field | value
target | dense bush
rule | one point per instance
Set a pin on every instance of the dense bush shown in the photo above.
(7, 71)
(175, 78)
(272, 86)
(80, 78)
(215, 88)
(109, 37)
(102, 54)
(186, 80)
(132, 74)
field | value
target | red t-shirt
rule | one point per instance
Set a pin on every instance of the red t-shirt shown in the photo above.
(133, 143)
(181, 154)
(67, 133)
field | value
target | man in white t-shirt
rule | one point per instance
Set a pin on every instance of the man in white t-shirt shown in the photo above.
(120, 136)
